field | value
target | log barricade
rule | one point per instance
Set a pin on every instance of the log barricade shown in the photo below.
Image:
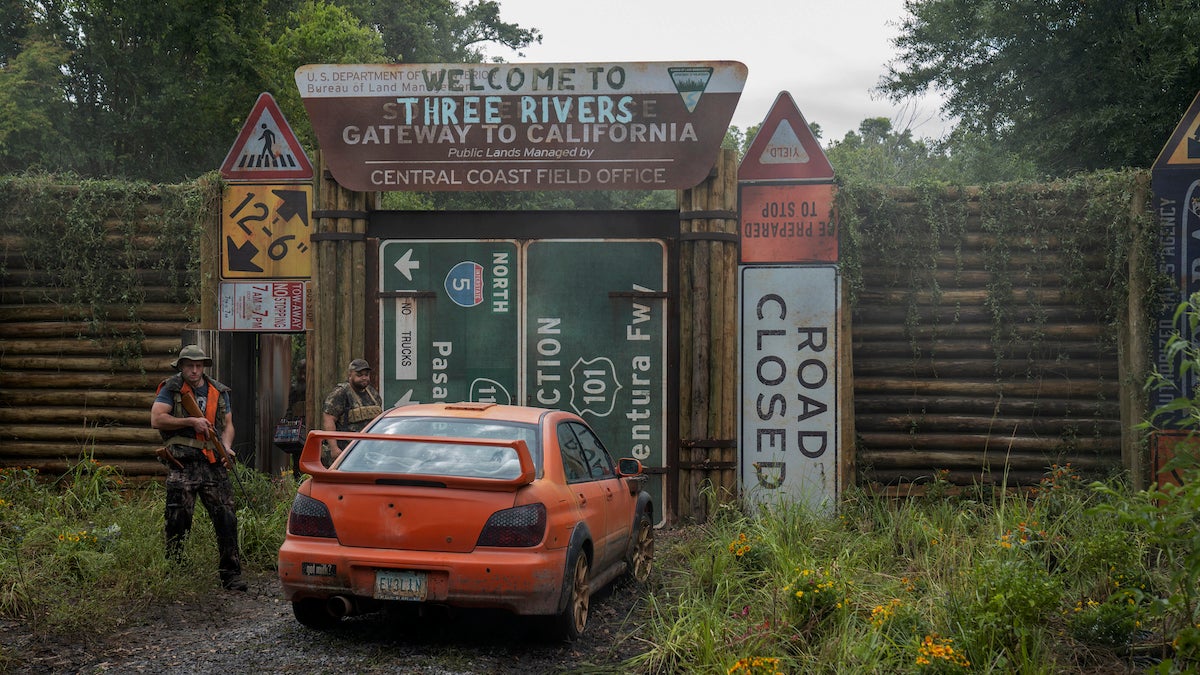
(77, 377)
(980, 366)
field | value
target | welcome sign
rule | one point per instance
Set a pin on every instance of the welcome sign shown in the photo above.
(550, 126)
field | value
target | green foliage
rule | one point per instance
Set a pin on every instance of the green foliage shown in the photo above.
(1167, 515)
(1037, 582)
(440, 31)
(158, 90)
(1032, 582)
(1168, 518)
(92, 240)
(85, 551)
(1072, 86)
(1182, 411)
(263, 506)
(1061, 228)
(31, 105)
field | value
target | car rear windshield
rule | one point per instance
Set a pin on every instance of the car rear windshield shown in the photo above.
(443, 459)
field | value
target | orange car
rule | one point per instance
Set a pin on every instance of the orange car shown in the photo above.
(465, 505)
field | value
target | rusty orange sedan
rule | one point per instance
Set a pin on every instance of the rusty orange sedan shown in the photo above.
(465, 505)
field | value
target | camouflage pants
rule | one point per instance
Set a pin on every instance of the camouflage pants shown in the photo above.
(211, 483)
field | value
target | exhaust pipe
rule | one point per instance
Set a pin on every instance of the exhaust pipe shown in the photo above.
(340, 606)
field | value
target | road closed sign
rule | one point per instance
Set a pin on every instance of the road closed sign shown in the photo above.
(515, 126)
(789, 408)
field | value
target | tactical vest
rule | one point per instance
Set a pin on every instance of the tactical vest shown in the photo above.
(359, 409)
(215, 410)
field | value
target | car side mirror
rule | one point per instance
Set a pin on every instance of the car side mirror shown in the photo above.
(627, 466)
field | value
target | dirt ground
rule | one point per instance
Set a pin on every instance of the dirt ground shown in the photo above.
(230, 633)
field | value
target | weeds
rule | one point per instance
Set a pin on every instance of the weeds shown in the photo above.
(81, 552)
(1046, 581)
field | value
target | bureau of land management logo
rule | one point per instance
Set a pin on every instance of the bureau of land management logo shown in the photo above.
(690, 82)
(464, 283)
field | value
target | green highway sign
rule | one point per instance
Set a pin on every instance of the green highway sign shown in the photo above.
(596, 340)
(449, 321)
(576, 325)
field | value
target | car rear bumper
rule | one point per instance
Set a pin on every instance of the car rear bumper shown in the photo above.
(519, 580)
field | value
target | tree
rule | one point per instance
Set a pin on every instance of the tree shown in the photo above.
(878, 153)
(158, 89)
(316, 32)
(440, 31)
(1069, 84)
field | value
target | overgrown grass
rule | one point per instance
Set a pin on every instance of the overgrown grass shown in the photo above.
(1066, 578)
(81, 552)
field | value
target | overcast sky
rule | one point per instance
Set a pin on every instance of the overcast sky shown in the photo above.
(829, 54)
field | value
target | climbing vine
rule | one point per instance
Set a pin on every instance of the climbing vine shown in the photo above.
(1042, 258)
(1079, 232)
(905, 234)
(93, 248)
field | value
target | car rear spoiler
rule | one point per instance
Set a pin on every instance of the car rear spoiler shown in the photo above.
(310, 462)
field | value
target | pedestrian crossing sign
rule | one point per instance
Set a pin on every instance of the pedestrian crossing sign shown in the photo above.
(266, 149)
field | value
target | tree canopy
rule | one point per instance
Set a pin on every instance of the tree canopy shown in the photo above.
(1071, 85)
(158, 89)
(879, 153)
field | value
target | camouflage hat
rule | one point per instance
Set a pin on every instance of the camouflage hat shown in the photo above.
(191, 353)
(358, 365)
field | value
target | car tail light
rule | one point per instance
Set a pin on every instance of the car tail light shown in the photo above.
(522, 526)
(310, 518)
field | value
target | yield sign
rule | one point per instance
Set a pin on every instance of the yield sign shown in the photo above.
(266, 149)
(785, 148)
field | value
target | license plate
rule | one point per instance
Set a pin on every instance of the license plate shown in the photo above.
(399, 585)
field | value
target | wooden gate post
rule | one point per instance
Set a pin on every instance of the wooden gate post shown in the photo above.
(338, 289)
(1133, 356)
(708, 387)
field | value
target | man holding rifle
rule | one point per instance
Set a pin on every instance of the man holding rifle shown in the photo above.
(192, 412)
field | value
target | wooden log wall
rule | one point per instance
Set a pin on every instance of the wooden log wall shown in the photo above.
(981, 361)
(708, 387)
(78, 380)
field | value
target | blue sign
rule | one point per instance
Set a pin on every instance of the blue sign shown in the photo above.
(1175, 181)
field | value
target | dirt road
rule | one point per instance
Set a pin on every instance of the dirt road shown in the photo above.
(231, 633)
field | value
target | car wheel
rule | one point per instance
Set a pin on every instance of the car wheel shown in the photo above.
(313, 613)
(570, 622)
(641, 552)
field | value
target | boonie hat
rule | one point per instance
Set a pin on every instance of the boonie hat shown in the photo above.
(191, 353)
(359, 365)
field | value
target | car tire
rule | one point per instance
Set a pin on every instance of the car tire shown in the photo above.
(570, 623)
(641, 551)
(313, 613)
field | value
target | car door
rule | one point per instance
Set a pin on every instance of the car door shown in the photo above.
(590, 495)
(617, 506)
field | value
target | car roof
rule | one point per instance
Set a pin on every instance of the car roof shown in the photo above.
(472, 410)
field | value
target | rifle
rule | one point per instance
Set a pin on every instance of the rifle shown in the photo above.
(193, 409)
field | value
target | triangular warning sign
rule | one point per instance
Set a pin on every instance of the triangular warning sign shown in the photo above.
(1183, 148)
(785, 148)
(266, 149)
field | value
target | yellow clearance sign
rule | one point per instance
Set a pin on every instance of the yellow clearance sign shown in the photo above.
(265, 232)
